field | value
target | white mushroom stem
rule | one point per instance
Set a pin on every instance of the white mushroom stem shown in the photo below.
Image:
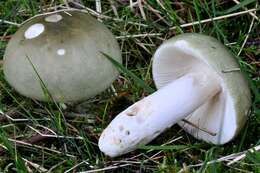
(149, 117)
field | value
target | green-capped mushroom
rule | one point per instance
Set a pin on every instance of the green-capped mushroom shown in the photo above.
(64, 50)
(198, 80)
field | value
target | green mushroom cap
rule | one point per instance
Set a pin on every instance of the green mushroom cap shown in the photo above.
(61, 51)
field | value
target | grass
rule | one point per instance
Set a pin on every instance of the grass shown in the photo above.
(71, 131)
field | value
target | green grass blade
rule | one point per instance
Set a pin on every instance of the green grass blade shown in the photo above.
(124, 70)
(208, 157)
(19, 163)
(55, 116)
(238, 6)
(168, 147)
(197, 10)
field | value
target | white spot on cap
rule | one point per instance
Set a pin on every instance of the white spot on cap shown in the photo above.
(34, 31)
(61, 52)
(53, 18)
(181, 43)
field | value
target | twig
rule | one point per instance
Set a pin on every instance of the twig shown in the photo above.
(196, 126)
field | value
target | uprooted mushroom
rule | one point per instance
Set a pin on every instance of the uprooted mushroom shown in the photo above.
(198, 81)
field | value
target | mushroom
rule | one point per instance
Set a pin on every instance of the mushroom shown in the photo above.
(64, 50)
(198, 82)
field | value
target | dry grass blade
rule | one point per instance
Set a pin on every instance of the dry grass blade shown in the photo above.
(236, 159)
(49, 135)
(235, 156)
(252, 14)
(188, 24)
(79, 164)
(109, 168)
(66, 3)
(101, 16)
(13, 115)
(32, 140)
(10, 23)
(247, 35)
(139, 35)
(39, 147)
(140, 5)
(98, 6)
(8, 115)
(113, 6)
(215, 18)
(36, 166)
(56, 166)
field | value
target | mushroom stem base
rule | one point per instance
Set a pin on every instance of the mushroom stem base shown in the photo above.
(149, 117)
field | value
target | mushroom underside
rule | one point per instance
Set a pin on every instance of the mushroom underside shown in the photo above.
(215, 120)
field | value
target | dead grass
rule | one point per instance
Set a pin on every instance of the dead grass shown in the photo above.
(46, 137)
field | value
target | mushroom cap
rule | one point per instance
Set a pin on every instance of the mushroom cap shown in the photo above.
(63, 49)
(222, 116)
